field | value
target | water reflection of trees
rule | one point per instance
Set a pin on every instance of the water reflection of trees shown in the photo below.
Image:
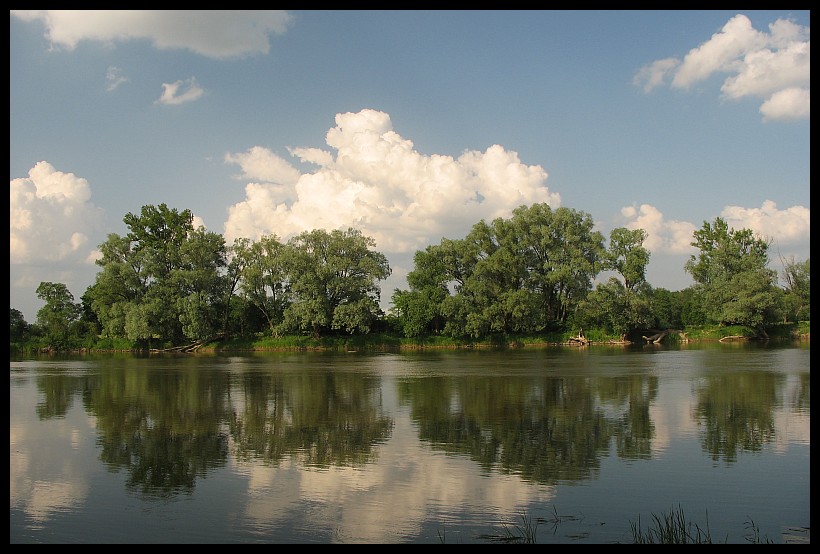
(801, 400)
(320, 419)
(736, 410)
(58, 394)
(163, 427)
(545, 429)
(166, 428)
(632, 395)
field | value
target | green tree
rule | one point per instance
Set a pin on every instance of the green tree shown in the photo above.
(627, 256)
(435, 271)
(120, 285)
(692, 312)
(494, 296)
(89, 317)
(734, 283)
(417, 310)
(263, 277)
(334, 281)
(159, 233)
(622, 306)
(19, 329)
(522, 274)
(562, 255)
(797, 279)
(615, 309)
(667, 308)
(59, 314)
(202, 285)
(441, 276)
(530, 271)
(164, 281)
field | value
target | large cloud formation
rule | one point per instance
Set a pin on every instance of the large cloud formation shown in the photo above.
(215, 34)
(51, 217)
(375, 181)
(774, 66)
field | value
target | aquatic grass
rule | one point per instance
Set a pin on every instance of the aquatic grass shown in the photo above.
(517, 534)
(671, 528)
(754, 534)
(526, 532)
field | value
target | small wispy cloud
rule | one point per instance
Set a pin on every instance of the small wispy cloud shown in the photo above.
(114, 78)
(655, 74)
(180, 92)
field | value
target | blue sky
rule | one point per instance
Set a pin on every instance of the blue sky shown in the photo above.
(410, 126)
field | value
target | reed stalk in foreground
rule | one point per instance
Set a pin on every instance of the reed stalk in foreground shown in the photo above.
(672, 528)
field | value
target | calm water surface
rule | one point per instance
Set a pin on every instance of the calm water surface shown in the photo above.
(422, 447)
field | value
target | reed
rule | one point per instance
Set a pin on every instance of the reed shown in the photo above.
(671, 528)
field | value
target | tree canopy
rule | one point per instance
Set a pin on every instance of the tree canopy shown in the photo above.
(166, 283)
(733, 281)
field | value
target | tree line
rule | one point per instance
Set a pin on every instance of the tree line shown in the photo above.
(167, 283)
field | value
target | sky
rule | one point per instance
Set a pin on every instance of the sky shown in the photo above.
(410, 126)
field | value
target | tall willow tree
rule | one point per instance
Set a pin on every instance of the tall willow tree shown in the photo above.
(418, 310)
(263, 277)
(733, 282)
(623, 303)
(58, 316)
(333, 280)
(522, 274)
(797, 288)
(562, 252)
(200, 283)
(162, 282)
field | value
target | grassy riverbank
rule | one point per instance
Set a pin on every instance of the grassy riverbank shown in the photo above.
(390, 342)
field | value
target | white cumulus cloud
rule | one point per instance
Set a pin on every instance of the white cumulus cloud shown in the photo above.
(374, 180)
(212, 33)
(790, 103)
(259, 163)
(786, 227)
(721, 53)
(51, 216)
(759, 64)
(663, 236)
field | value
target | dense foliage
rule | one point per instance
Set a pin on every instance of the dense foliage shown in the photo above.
(166, 283)
(732, 278)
